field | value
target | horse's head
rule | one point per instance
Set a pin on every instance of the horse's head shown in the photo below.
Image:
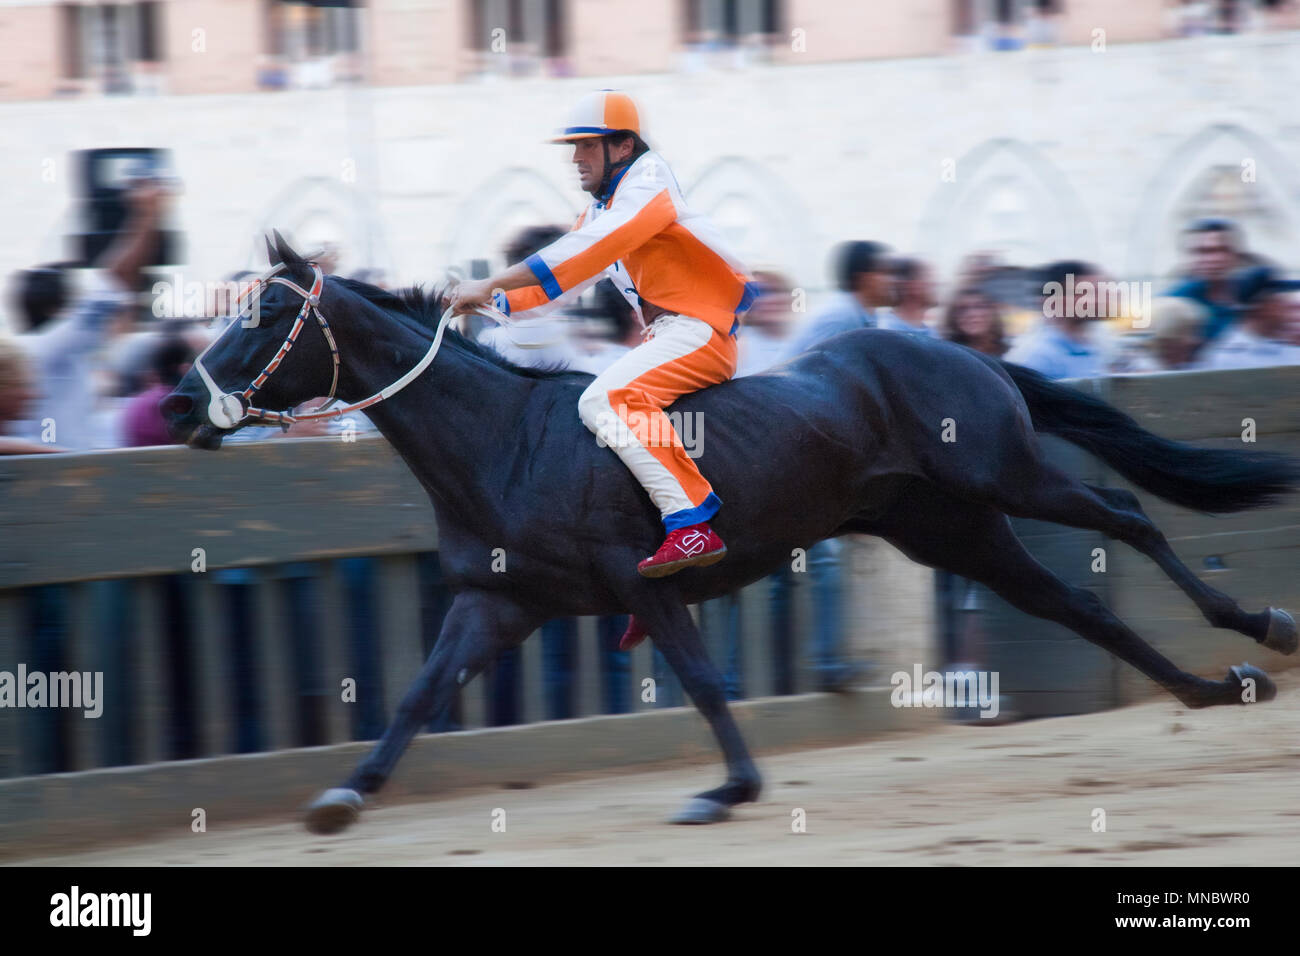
(275, 355)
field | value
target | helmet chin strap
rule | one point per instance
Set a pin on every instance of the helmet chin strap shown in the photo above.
(601, 191)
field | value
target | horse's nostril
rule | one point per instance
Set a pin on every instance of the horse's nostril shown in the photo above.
(176, 405)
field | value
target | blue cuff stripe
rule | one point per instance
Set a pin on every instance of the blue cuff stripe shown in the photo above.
(747, 297)
(689, 516)
(545, 276)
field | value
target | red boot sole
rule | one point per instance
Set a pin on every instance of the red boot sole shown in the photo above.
(672, 567)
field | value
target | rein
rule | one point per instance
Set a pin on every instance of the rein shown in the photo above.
(228, 409)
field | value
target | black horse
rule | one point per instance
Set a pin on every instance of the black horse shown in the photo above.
(847, 438)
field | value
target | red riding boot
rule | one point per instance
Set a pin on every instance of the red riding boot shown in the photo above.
(696, 545)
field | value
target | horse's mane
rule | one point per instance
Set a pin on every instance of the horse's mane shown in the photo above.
(416, 303)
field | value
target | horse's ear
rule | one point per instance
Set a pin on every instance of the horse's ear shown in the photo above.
(272, 254)
(286, 252)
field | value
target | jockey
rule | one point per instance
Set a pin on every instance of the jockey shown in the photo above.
(688, 291)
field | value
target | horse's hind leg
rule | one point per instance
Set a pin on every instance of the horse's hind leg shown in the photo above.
(675, 635)
(1272, 627)
(1049, 494)
(977, 542)
(477, 627)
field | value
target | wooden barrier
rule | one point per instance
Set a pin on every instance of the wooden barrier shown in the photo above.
(275, 623)
(233, 562)
(1253, 556)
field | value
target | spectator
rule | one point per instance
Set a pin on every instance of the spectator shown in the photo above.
(17, 393)
(1042, 26)
(914, 291)
(866, 290)
(972, 319)
(1260, 338)
(1214, 249)
(609, 328)
(543, 342)
(976, 269)
(65, 332)
(1190, 18)
(552, 347)
(142, 423)
(1291, 303)
(1177, 325)
(1062, 346)
(762, 343)
(765, 334)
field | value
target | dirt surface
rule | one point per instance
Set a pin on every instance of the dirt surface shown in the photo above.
(1178, 787)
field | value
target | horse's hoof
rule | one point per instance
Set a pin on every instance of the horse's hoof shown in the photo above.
(1282, 635)
(334, 810)
(1265, 689)
(702, 810)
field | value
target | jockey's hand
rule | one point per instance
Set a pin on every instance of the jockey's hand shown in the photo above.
(468, 294)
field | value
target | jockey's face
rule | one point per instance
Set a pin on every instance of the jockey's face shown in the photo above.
(589, 157)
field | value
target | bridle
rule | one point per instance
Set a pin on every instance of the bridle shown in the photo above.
(228, 409)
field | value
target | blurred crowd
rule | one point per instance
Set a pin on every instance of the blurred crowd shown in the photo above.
(85, 372)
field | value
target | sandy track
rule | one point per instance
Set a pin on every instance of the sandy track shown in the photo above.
(1179, 788)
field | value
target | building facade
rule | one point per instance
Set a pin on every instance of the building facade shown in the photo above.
(1092, 146)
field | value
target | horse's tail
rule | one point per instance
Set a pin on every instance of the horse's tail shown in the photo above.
(1203, 479)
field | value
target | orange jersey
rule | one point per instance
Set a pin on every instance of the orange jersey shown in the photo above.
(649, 242)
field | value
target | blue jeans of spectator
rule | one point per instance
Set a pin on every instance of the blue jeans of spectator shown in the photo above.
(826, 653)
(47, 624)
(559, 656)
(825, 656)
(237, 587)
(435, 602)
(616, 665)
(559, 663)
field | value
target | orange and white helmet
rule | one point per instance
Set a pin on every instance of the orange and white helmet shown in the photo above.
(600, 114)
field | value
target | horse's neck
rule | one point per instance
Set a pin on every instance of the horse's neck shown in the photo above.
(447, 426)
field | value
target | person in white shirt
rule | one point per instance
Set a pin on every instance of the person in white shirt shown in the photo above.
(63, 337)
(607, 331)
(915, 299)
(17, 393)
(1260, 338)
(544, 342)
(1291, 308)
(1064, 345)
(866, 289)
(766, 332)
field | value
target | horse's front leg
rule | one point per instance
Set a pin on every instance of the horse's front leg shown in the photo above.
(478, 626)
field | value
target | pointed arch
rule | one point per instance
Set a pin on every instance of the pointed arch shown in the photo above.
(1203, 175)
(1010, 197)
